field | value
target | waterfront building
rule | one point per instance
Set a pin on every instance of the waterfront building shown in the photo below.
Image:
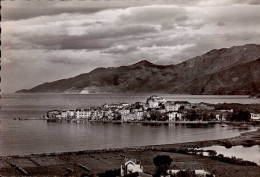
(134, 110)
(139, 115)
(64, 114)
(131, 166)
(71, 113)
(99, 113)
(53, 114)
(82, 113)
(124, 111)
(132, 116)
(171, 106)
(174, 115)
(107, 112)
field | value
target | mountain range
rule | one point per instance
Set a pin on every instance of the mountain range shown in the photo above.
(226, 71)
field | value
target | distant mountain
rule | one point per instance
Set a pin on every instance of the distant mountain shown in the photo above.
(224, 71)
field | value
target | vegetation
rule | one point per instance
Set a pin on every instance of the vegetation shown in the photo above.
(240, 116)
(213, 154)
(110, 173)
(162, 163)
(234, 160)
(238, 107)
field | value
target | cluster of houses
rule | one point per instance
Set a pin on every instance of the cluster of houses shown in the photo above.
(155, 108)
(134, 166)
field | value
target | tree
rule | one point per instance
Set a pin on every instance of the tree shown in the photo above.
(162, 163)
(241, 116)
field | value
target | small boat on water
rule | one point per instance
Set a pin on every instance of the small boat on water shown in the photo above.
(224, 125)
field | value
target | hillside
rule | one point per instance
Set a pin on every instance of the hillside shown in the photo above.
(224, 71)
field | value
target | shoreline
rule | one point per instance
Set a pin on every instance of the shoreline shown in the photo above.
(198, 122)
(247, 139)
(103, 160)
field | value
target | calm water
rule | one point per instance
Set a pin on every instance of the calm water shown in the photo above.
(247, 153)
(37, 136)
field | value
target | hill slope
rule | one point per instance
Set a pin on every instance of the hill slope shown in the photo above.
(225, 71)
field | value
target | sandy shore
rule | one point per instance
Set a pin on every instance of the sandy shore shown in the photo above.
(98, 161)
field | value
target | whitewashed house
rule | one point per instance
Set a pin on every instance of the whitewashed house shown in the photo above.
(131, 166)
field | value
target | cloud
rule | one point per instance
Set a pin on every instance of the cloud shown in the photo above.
(68, 43)
(120, 49)
(227, 2)
(156, 14)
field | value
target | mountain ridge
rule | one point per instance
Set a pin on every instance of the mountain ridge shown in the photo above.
(188, 77)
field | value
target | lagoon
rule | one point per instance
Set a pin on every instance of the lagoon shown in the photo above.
(247, 153)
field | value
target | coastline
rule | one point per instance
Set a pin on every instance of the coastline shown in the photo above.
(242, 139)
(98, 161)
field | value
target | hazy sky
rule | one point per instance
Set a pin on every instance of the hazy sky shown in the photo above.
(43, 41)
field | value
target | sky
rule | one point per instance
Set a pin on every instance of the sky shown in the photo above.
(43, 41)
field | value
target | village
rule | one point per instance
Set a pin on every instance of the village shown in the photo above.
(155, 109)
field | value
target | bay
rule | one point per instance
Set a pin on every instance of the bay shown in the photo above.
(38, 136)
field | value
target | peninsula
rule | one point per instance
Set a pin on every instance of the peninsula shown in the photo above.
(158, 110)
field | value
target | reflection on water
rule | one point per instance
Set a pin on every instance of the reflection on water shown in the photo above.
(36, 136)
(246, 153)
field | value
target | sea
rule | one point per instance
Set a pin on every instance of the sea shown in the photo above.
(23, 137)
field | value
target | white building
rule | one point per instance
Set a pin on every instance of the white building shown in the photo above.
(171, 106)
(63, 114)
(139, 115)
(152, 103)
(133, 116)
(67, 114)
(131, 166)
(124, 111)
(71, 113)
(173, 116)
(82, 113)
(255, 117)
